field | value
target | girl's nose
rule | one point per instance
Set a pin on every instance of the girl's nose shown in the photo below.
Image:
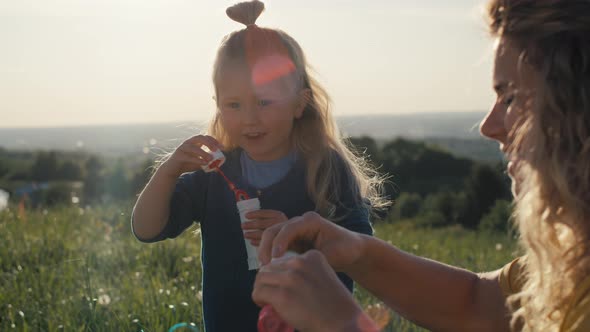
(251, 114)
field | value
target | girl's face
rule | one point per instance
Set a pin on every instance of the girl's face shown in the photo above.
(513, 82)
(258, 114)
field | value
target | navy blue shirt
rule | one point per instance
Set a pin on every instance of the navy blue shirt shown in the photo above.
(206, 198)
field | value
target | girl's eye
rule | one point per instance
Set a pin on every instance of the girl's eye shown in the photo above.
(264, 102)
(507, 101)
(233, 105)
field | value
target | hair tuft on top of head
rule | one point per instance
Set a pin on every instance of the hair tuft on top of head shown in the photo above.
(246, 12)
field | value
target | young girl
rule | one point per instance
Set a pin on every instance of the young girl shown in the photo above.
(281, 145)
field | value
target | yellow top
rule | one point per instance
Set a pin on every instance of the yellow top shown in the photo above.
(577, 314)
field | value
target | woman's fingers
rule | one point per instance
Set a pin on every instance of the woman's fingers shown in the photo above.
(275, 280)
(267, 288)
(267, 241)
(300, 287)
(304, 229)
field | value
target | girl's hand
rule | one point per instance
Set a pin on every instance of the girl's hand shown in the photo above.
(341, 247)
(190, 156)
(307, 294)
(261, 220)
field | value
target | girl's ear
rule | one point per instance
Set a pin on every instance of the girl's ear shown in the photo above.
(302, 100)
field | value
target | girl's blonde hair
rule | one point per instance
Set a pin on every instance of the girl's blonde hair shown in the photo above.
(315, 135)
(553, 203)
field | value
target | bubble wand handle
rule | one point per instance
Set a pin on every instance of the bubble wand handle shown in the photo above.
(238, 193)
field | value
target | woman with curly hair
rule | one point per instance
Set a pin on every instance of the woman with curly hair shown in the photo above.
(541, 120)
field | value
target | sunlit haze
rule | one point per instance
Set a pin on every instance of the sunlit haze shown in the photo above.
(79, 62)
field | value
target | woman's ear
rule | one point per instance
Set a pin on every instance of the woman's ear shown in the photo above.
(302, 99)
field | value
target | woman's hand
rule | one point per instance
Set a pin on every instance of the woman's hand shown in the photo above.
(259, 221)
(190, 155)
(341, 247)
(307, 294)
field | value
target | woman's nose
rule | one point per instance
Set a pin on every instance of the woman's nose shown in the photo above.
(492, 125)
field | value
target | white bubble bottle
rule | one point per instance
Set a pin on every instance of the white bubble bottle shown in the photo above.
(245, 206)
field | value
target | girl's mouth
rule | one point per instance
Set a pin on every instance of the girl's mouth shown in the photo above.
(254, 136)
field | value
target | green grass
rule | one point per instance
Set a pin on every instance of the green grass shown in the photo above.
(71, 269)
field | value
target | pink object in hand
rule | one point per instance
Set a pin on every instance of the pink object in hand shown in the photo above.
(270, 321)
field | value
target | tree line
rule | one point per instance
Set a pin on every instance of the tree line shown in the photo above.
(432, 187)
(429, 185)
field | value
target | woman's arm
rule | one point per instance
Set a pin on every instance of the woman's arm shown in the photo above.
(432, 294)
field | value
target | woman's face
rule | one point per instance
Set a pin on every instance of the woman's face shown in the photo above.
(513, 82)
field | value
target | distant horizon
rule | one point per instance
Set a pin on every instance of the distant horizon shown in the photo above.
(138, 137)
(205, 121)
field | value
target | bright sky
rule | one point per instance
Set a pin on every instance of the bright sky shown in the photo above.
(72, 62)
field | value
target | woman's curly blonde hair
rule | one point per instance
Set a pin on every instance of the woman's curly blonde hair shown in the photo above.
(553, 203)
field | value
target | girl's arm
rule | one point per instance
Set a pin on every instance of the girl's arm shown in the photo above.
(152, 209)
(432, 294)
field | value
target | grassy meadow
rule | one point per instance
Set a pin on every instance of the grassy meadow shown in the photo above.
(73, 269)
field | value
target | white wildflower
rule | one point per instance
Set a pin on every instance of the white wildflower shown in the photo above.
(104, 299)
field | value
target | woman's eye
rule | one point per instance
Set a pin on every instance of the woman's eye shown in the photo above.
(507, 101)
